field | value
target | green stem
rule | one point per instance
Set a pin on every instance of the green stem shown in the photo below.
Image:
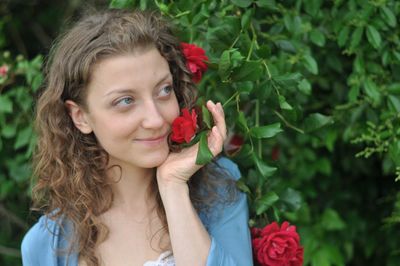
(287, 123)
(191, 35)
(253, 41)
(259, 144)
(237, 103)
(266, 67)
(230, 99)
(237, 39)
(347, 106)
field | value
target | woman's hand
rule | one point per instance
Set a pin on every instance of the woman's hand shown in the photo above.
(179, 167)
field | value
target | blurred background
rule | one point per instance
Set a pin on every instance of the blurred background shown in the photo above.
(325, 73)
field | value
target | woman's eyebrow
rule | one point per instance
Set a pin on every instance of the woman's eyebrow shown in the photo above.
(132, 90)
(120, 91)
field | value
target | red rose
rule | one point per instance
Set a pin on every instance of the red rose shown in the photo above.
(3, 70)
(233, 144)
(274, 246)
(275, 153)
(184, 127)
(195, 57)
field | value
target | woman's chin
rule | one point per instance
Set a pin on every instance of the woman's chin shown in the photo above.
(155, 161)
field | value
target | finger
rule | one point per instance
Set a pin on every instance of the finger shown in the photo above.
(218, 116)
(215, 141)
(222, 129)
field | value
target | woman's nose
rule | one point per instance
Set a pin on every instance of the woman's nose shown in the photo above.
(152, 117)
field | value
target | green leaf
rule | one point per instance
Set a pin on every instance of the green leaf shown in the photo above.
(394, 103)
(23, 137)
(271, 4)
(162, 7)
(372, 91)
(204, 154)
(305, 87)
(289, 22)
(354, 93)
(224, 65)
(373, 36)
(266, 131)
(396, 55)
(264, 89)
(394, 152)
(359, 65)
(283, 104)
(248, 71)
(312, 7)
(288, 80)
(316, 121)
(385, 57)
(36, 82)
(6, 104)
(242, 186)
(8, 130)
(246, 18)
(323, 166)
(143, 4)
(266, 201)
(292, 23)
(356, 37)
(327, 255)
(264, 51)
(122, 3)
(310, 64)
(286, 46)
(394, 88)
(236, 58)
(276, 213)
(242, 122)
(245, 86)
(242, 3)
(343, 36)
(317, 37)
(206, 116)
(292, 199)
(331, 220)
(263, 168)
(6, 188)
(388, 16)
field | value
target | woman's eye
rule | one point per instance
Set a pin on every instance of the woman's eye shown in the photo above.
(165, 91)
(124, 101)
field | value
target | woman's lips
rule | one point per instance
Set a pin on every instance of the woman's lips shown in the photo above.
(153, 141)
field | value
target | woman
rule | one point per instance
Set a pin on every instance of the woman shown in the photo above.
(111, 191)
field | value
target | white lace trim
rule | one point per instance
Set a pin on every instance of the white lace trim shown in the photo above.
(165, 259)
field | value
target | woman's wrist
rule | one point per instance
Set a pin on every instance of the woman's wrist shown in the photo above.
(172, 187)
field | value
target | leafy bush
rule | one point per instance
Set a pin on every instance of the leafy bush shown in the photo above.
(19, 80)
(313, 89)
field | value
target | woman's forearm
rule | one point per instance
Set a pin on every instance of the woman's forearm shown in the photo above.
(189, 238)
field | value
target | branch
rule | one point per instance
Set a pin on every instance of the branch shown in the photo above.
(13, 218)
(12, 252)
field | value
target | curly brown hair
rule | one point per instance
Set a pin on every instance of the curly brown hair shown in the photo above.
(69, 166)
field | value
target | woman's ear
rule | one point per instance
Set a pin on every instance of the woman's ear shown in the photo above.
(78, 116)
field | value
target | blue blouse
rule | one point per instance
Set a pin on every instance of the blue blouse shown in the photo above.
(228, 229)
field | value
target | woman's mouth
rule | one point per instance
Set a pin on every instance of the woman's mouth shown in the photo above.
(153, 141)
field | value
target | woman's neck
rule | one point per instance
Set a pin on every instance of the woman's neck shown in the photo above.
(132, 188)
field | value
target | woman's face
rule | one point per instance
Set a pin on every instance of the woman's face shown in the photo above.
(131, 105)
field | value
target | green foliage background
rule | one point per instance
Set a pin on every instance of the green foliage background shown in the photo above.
(312, 86)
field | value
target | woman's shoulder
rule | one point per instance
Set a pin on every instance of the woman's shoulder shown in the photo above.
(38, 241)
(42, 232)
(41, 243)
